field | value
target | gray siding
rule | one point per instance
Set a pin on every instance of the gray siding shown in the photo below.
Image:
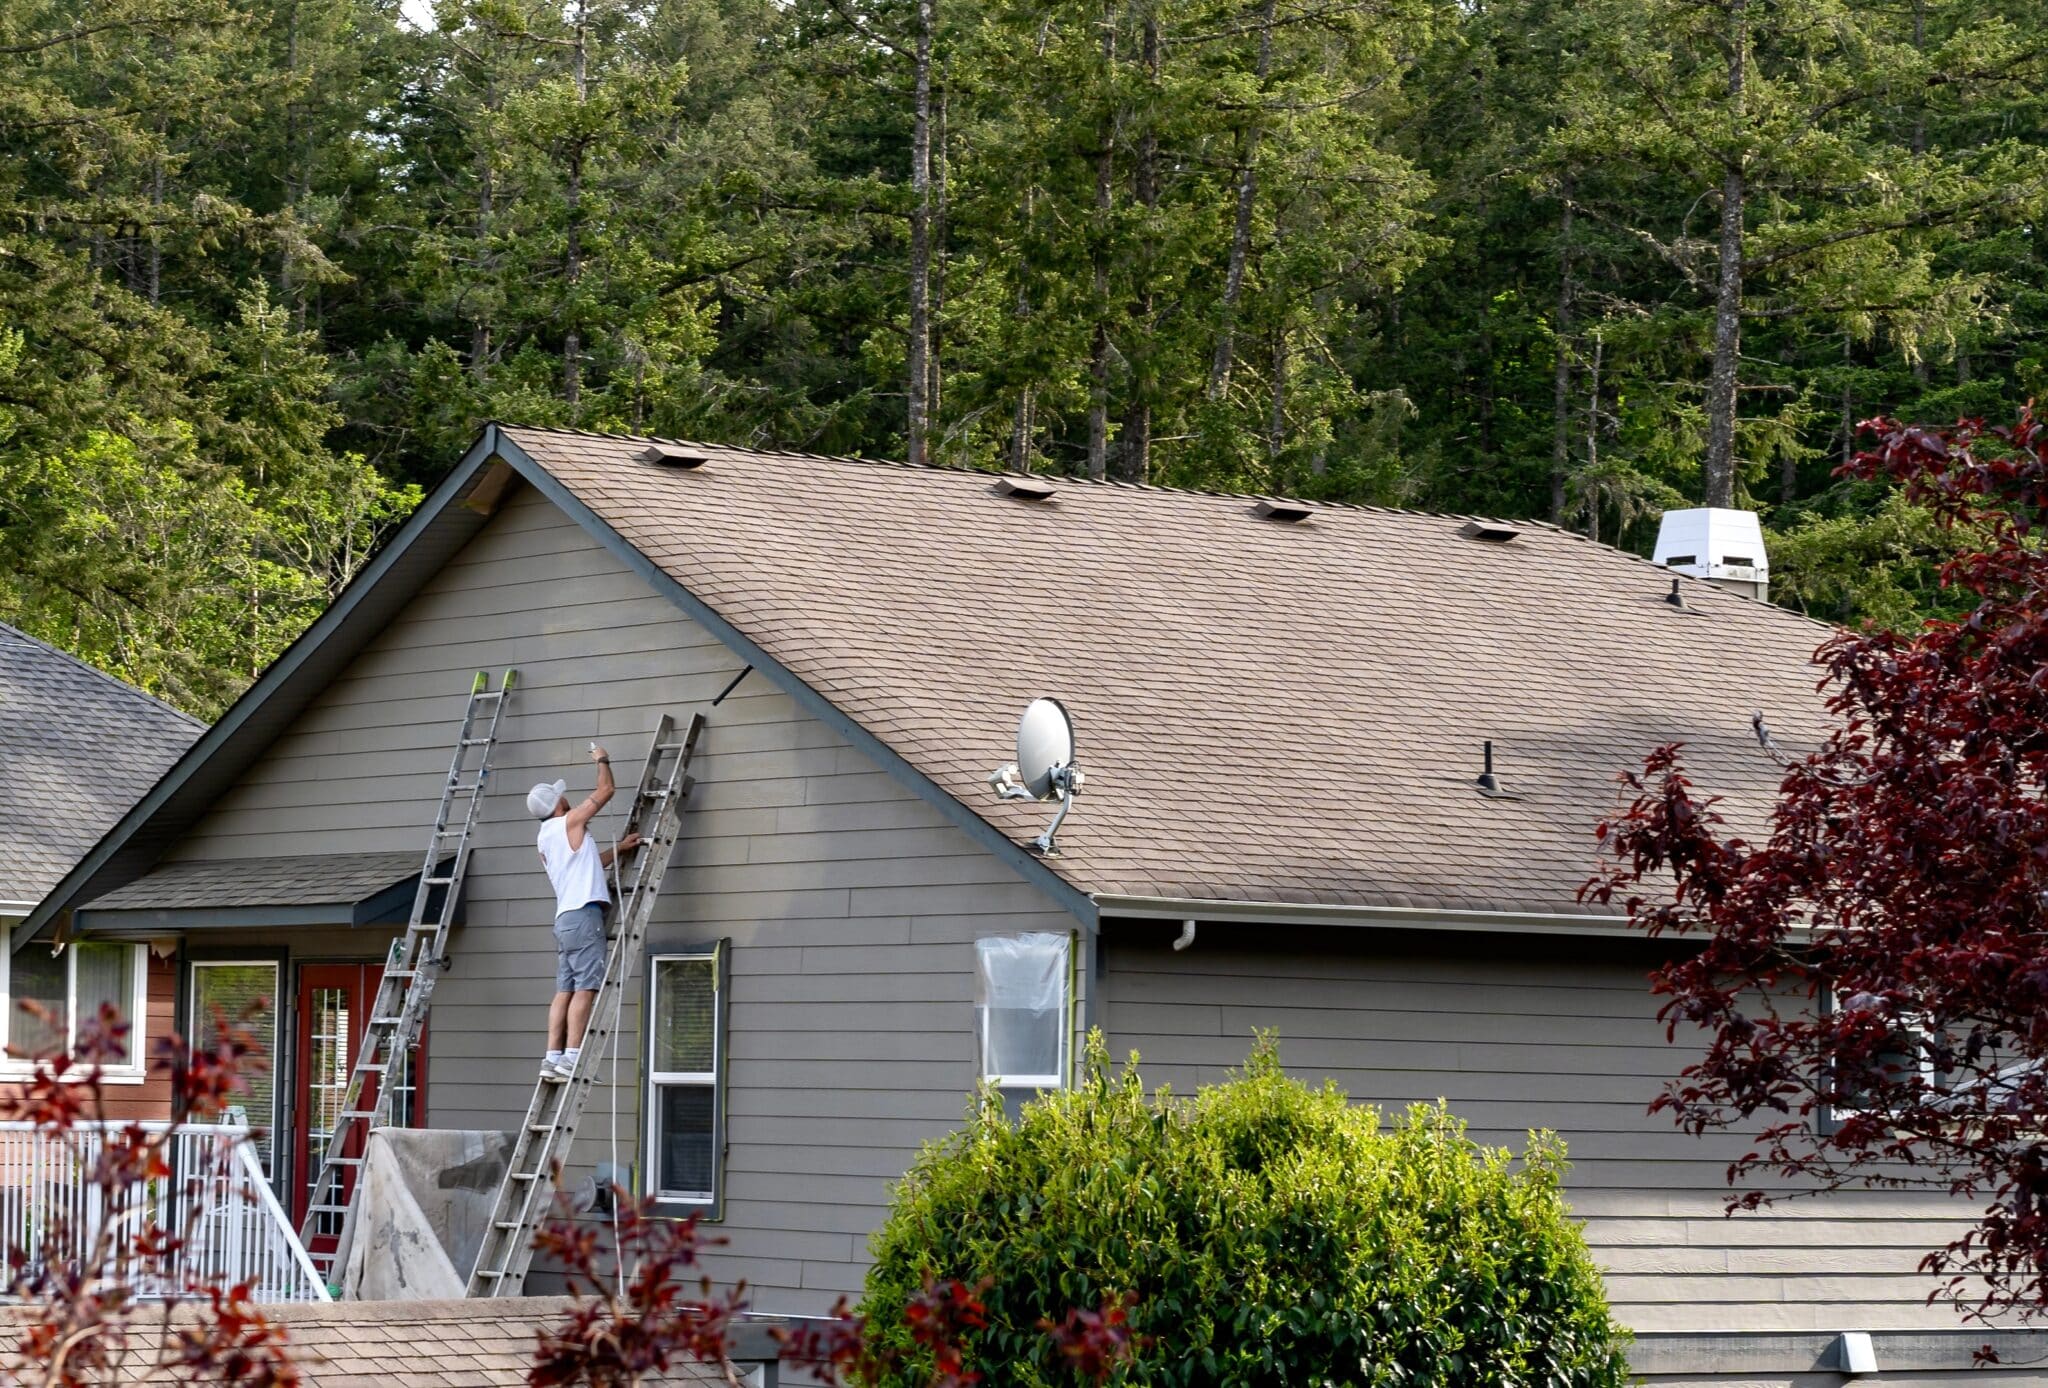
(849, 902)
(1519, 1033)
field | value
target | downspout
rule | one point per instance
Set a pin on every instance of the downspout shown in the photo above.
(1187, 935)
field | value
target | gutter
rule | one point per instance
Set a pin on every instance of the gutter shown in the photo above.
(1184, 909)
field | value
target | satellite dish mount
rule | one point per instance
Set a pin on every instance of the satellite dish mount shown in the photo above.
(1044, 769)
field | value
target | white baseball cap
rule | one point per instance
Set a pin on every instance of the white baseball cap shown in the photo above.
(542, 799)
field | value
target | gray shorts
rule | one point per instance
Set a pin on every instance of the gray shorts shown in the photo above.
(580, 949)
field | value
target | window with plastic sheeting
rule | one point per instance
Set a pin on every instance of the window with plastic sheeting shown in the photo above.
(70, 987)
(685, 1061)
(1023, 1008)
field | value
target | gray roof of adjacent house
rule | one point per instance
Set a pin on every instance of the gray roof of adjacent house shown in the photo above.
(1285, 713)
(78, 748)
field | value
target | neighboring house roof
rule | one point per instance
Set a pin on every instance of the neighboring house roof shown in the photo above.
(346, 1344)
(1267, 712)
(78, 748)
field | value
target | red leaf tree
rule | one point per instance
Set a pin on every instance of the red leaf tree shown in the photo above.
(1872, 976)
(106, 1286)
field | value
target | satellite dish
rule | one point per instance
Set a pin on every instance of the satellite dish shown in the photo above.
(1044, 769)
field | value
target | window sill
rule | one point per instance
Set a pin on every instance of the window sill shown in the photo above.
(125, 1075)
(674, 1207)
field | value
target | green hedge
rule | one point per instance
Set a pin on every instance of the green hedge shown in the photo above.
(1272, 1234)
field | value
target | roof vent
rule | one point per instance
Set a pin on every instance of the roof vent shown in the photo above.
(670, 455)
(1488, 783)
(1674, 597)
(1493, 532)
(1289, 511)
(1723, 546)
(1023, 487)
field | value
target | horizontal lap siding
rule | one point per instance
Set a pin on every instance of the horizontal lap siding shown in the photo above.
(850, 904)
(1520, 1035)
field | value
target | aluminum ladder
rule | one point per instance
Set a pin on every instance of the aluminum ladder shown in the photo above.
(541, 1148)
(413, 964)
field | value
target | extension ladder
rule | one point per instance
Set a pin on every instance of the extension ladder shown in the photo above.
(412, 966)
(541, 1147)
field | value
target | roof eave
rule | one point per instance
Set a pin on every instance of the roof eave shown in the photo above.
(283, 689)
(1112, 906)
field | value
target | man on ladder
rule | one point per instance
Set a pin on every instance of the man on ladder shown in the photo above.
(576, 870)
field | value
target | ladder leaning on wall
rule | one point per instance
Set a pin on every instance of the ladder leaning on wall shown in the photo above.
(541, 1146)
(412, 966)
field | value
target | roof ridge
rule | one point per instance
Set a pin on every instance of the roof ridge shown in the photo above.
(93, 669)
(1064, 478)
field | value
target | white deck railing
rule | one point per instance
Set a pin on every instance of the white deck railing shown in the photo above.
(216, 1198)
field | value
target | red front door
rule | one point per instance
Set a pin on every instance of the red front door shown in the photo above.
(333, 1011)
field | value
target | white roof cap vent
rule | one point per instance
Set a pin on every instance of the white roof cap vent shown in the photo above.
(1719, 545)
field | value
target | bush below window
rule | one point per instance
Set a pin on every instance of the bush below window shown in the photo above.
(1267, 1233)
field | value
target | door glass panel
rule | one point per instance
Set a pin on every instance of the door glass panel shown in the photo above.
(327, 1065)
(245, 994)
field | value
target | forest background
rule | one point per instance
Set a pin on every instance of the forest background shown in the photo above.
(266, 265)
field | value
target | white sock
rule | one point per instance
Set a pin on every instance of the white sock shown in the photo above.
(569, 1056)
(554, 1057)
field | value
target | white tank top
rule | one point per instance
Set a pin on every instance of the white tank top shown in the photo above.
(577, 874)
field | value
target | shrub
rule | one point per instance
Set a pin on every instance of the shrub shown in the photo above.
(1262, 1232)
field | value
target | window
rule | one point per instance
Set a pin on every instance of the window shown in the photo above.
(1902, 1070)
(73, 985)
(1022, 992)
(236, 988)
(685, 1052)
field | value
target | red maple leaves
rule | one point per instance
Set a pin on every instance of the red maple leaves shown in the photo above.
(1873, 974)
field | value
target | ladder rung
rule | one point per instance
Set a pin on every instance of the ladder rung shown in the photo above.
(355, 1113)
(379, 1066)
(505, 1224)
(437, 881)
(489, 1272)
(344, 1161)
(526, 1175)
(326, 1209)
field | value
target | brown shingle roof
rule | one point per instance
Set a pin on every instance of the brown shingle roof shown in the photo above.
(1266, 712)
(350, 1344)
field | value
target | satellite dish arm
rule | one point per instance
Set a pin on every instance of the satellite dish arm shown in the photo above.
(1066, 781)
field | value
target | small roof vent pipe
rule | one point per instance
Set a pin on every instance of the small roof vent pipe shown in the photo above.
(1724, 547)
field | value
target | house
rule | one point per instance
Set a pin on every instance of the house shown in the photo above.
(77, 749)
(421, 1344)
(1282, 711)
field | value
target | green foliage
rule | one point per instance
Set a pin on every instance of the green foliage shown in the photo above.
(1267, 1231)
(285, 257)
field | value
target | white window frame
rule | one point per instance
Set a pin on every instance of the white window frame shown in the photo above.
(712, 1079)
(1918, 1033)
(1031, 1083)
(135, 1070)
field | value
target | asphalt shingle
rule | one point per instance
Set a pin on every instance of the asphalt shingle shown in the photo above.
(308, 879)
(77, 749)
(1266, 712)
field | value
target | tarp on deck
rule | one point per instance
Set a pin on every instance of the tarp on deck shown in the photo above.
(419, 1215)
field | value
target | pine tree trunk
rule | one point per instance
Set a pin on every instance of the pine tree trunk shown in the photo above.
(486, 192)
(918, 366)
(1561, 378)
(935, 370)
(1718, 468)
(1134, 459)
(1276, 420)
(1241, 224)
(572, 340)
(1098, 347)
(1020, 437)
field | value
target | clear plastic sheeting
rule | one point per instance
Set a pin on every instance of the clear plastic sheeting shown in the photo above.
(418, 1219)
(1021, 995)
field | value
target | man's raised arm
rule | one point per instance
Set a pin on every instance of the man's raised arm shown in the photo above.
(579, 818)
